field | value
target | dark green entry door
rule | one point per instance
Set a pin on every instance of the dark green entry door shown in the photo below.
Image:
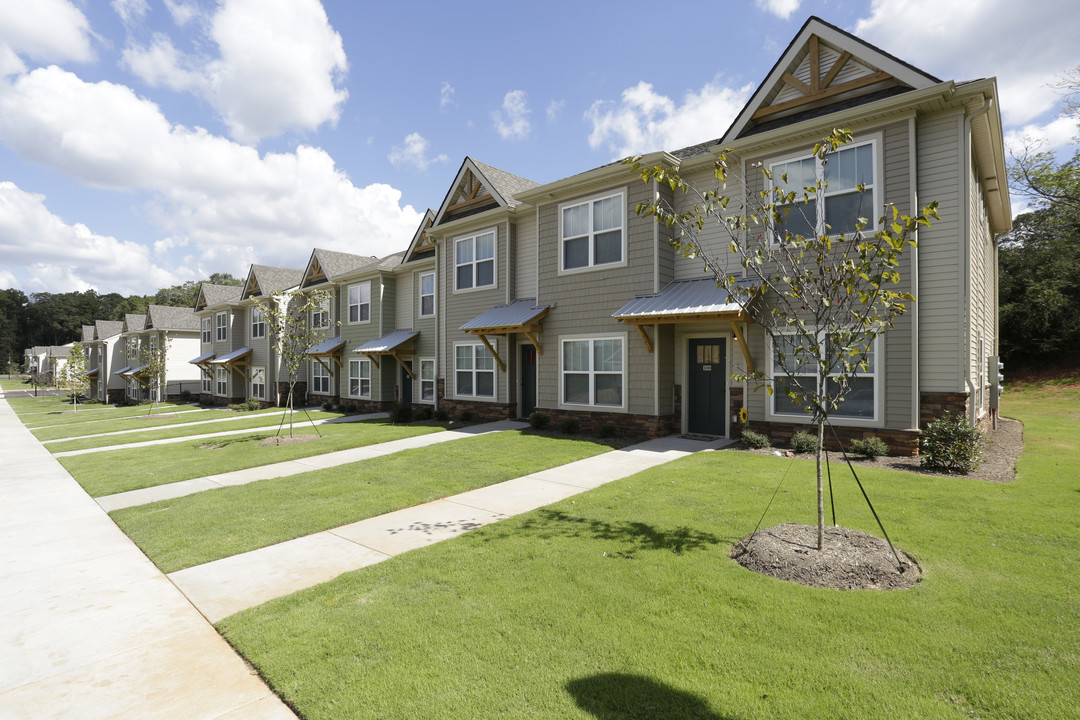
(406, 384)
(528, 380)
(706, 386)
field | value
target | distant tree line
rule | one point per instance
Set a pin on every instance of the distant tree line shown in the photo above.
(46, 318)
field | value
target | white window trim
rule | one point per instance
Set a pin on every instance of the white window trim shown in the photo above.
(251, 386)
(802, 418)
(420, 286)
(221, 328)
(591, 267)
(434, 380)
(591, 407)
(494, 370)
(315, 365)
(325, 309)
(219, 371)
(207, 384)
(371, 380)
(252, 325)
(207, 330)
(873, 139)
(494, 261)
(349, 304)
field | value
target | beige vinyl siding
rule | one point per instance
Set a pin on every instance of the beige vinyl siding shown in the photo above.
(406, 287)
(525, 256)
(182, 347)
(897, 343)
(940, 140)
(426, 344)
(983, 309)
(714, 239)
(664, 343)
(585, 301)
(665, 253)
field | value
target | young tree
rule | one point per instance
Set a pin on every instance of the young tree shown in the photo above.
(72, 376)
(288, 320)
(152, 358)
(821, 295)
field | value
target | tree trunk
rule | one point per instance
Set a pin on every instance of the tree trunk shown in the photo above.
(820, 487)
(290, 411)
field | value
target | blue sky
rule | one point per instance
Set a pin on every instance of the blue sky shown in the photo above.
(148, 142)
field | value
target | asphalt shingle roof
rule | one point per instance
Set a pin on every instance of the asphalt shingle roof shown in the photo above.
(505, 184)
(273, 280)
(166, 317)
(220, 294)
(108, 328)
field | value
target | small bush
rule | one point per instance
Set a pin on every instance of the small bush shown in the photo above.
(538, 421)
(401, 414)
(952, 444)
(871, 447)
(441, 415)
(185, 396)
(424, 412)
(328, 406)
(466, 415)
(569, 426)
(803, 442)
(607, 430)
(755, 440)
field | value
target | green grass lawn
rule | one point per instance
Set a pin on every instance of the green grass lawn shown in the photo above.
(623, 603)
(100, 413)
(115, 471)
(198, 528)
(180, 428)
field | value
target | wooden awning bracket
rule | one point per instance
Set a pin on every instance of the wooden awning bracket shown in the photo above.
(491, 349)
(373, 359)
(404, 367)
(534, 338)
(318, 359)
(742, 346)
(644, 336)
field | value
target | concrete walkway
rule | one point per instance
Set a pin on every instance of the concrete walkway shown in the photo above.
(131, 498)
(232, 584)
(89, 628)
(220, 433)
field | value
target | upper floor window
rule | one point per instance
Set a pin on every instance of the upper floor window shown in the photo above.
(474, 261)
(591, 232)
(320, 316)
(222, 320)
(206, 338)
(258, 324)
(360, 302)
(427, 294)
(847, 178)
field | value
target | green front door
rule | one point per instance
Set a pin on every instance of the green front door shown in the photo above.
(705, 397)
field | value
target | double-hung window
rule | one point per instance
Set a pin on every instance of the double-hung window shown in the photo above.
(593, 372)
(360, 302)
(848, 189)
(474, 371)
(258, 383)
(360, 378)
(221, 377)
(861, 400)
(206, 333)
(320, 316)
(222, 321)
(320, 378)
(427, 381)
(427, 294)
(591, 232)
(258, 323)
(474, 261)
(206, 383)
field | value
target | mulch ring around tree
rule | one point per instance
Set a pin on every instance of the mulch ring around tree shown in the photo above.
(286, 440)
(850, 560)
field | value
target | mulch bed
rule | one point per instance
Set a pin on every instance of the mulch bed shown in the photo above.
(287, 440)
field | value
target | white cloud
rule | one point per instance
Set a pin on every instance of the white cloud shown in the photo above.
(129, 10)
(54, 255)
(1025, 45)
(1055, 135)
(7, 279)
(221, 196)
(780, 8)
(182, 12)
(512, 121)
(645, 120)
(45, 30)
(414, 151)
(446, 96)
(554, 108)
(280, 65)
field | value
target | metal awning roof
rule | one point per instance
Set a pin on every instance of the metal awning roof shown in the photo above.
(202, 358)
(136, 371)
(506, 318)
(122, 370)
(326, 347)
(387, 343)
(229, 358)
(91, 373)
(686, 301)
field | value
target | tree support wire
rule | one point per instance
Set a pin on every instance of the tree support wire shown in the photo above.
(746, 545)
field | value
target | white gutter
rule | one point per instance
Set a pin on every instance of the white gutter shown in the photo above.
(965, 335)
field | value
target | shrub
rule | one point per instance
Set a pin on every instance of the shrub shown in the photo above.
(569, 426)
(607, 430)
(871, 447)
(755, 440)
(185, 396)
(538, 421)
(441, 415)
(401, 414)
(952, 444)
(803, 442)
(424, 412)
(466, 415)
(328, 406)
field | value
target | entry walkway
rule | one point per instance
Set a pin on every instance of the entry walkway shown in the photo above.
(169, 491)
(89, 628)
(232, 584)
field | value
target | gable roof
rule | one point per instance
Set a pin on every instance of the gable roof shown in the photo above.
(211, 295)
(478, 187)
(327, 265)
(422, 245)
(87, 333)
(269, 280)
(108, 328)
(824, 66)
(167, 317)
(134, 323)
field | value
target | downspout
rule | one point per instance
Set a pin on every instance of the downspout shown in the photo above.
(965, 336)
(916, 359)
(440, 308)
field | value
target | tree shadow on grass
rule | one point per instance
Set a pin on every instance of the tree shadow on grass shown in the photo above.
(223, 442)
(632, 536)
(619, 696)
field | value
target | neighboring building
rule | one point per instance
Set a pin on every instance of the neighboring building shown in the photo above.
(270, 286)
(56, 358)
(223, 358)
(176, 330)
(103, 353)
(132, 342)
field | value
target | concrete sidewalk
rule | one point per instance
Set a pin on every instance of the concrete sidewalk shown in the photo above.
(169, 491)
(89, 628)
(276, 414)
(232, 584)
